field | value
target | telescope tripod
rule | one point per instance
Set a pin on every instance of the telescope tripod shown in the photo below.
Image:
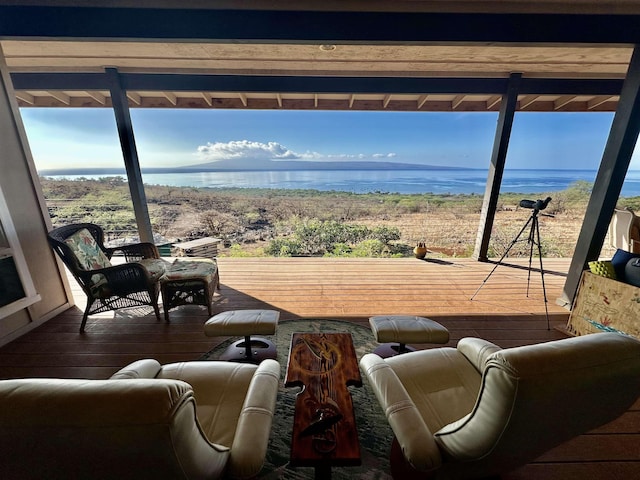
(532, 239)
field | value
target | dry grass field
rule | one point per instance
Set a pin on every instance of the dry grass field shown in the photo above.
(249, 221)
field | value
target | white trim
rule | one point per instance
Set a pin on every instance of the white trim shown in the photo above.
(18, 305)
(14, 251)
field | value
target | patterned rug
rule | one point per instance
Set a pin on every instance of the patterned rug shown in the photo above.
(373, 430)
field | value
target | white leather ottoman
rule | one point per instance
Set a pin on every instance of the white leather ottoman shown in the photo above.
(396, 331)
(245, 323)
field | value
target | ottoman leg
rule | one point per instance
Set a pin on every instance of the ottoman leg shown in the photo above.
(250, 350)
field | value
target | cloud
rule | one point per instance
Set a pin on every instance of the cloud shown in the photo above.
(247, 149)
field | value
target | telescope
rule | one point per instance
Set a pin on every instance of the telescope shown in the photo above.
(535, 204)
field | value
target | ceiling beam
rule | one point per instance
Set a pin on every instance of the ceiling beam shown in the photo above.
(135, 98)
(455, 103)
(528, 100)
(26, 97)
(171, 97)
(493, 101)
(61, 97)
(311, 84)
(185, 24)
(563, 101)
(207, 98)
(98, 97)
(597, 101)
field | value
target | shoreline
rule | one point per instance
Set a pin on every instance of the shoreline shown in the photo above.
(459, 181)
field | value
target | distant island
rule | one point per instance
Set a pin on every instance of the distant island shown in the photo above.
(252, 165)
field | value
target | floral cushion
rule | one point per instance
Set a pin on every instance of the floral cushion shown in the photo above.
(87, 251)
(155, 266)
(189, 269)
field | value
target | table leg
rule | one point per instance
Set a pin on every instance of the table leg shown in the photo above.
(323, 472)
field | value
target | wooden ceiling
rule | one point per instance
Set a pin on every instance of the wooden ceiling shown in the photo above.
(355, 54)
(331, 60)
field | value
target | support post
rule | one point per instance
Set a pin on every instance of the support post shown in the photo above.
(609, 180)
(496, 168)
(130, 153)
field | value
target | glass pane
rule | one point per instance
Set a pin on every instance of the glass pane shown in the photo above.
(10, 284)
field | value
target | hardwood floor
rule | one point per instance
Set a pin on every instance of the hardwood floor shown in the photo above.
(347, 289)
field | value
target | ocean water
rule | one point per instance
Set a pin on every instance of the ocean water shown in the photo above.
(465, 181)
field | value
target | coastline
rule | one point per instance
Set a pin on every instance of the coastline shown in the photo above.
(436, 181)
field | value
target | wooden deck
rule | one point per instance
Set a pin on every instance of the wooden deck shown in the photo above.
(348, 289)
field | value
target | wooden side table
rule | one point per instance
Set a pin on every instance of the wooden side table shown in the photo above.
(324, 427)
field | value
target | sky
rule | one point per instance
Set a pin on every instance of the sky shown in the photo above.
(75, 138)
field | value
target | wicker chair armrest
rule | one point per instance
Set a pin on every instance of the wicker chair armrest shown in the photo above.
(136, 251)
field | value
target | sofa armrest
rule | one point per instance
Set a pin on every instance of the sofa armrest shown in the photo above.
(147, 368)
(477, 351)
(414, 437)
(254, 425)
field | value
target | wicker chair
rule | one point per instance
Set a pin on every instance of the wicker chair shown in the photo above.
(108, 287)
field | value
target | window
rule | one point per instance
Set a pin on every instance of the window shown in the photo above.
(16, 288)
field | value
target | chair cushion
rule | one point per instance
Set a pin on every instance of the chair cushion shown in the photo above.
(242, 322)
(407, 329)
(202, 269)
(442, 383)
(87, 251)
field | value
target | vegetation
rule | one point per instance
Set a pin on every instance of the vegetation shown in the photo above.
(310, 222)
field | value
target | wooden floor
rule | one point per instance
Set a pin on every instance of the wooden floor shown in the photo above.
(348, 289)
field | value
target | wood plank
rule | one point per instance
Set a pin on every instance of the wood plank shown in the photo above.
(351, 290)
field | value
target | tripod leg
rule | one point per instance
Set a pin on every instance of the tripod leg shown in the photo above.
(532, 241)
(506, 252)
(544, 288)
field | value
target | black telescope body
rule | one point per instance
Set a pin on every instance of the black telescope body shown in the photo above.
(535, 204)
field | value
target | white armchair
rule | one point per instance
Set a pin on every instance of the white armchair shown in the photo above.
(190, 420)
(476, 410)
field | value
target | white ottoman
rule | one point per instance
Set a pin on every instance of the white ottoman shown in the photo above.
(245, 323)
(403, 329)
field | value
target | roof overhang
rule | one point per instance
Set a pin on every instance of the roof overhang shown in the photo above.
(373, 55)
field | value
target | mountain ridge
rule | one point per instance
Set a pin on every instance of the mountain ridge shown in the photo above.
(252, 165)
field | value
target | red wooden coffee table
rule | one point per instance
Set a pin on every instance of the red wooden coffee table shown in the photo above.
(324, 426)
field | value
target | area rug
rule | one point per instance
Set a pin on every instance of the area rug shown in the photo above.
(374, 432)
